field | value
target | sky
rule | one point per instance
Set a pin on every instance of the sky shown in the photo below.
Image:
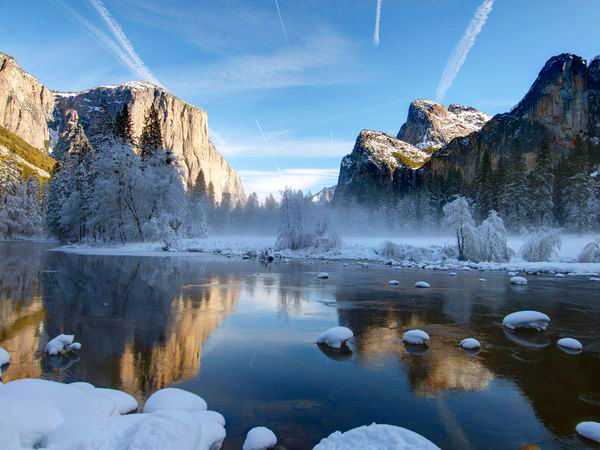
(289, 84)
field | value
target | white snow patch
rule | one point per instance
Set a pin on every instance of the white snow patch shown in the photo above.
(521, 281)
(470, 343)
(375, 436)
(417, 337)
(393, 283)
(323, 275)
(483, 280)
(260, 438)
(422, 284)
(335, 337)
(59, 344)
(589, 430)
(125, 403)
(452, 274)
(526, 319)
(4, 357)
(570, 343)
(174, 398)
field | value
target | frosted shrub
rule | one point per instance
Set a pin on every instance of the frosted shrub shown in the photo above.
(164, 229)
(541, 245)
(590, 253)
(391, 250)
(493, 244)
(457, 215)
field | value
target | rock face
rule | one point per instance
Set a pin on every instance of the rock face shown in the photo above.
(52, 120)
(562, 105)
(25, 104)
(430, 126)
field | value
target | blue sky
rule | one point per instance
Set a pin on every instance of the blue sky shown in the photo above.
(311, 81)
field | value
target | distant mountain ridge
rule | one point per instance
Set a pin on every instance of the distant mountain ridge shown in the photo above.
(41, 117)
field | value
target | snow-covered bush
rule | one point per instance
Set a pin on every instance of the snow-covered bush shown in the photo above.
(541, 245)
(492, 240)
(457, 215)
(165, 229)
(405, 252)
(590, 253)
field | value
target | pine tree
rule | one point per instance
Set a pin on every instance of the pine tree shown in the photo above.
(210, 195)
(499, 183)
(123, 127)
(515, 199)
(578, 195)
(151, 142)
(484, 193)
(541, 188)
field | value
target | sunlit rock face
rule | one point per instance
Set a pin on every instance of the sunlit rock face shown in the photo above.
(26, 105)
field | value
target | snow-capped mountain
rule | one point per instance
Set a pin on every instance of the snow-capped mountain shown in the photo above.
(48, 120)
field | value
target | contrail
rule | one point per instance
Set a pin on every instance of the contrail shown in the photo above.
(377, 23)
(98, 34)
(270, 152)
(141, 69)
(281, 22)
(459, 54)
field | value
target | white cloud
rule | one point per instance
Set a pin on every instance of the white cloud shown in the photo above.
(272, 182)
(460, 52)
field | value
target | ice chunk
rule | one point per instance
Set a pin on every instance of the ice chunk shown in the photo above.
(323, 275)
(375, 436)
(260, 438)
(335, 337)
(589, 430)
(125, 402)
(393, 283)
(570, 343)
(4, 357)
(422, 284)
(58, 344)
(174, 398)
(526, 319)
(518, 280)
(470, 343)
(418, 337)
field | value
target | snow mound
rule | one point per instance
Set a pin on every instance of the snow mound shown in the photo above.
(526, 319)
(174, 398)
(82, 385)
(417, 337)
(589, 430)
(75, 346)
(422, 284)
(393, 283)
(518, 280)
(452, 274)
(210, 416)
(560, 275)
(4, 357)
(335, 337)
(323, 275)
(59, 344)
(570, 343)
(512, 274)
(375, 436)
(483, 280)
(594, 278)
(470, 343)
(125, 403)
(260, 438)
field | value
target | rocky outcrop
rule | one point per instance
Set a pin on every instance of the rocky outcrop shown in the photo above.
(184, 128)
(54, 120)
(430, 126)
(26, 105)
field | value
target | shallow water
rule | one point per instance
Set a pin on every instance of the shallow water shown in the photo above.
(242, 335)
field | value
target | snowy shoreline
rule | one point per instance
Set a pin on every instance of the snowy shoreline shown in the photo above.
(353, 250)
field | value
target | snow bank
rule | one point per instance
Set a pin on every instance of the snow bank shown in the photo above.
(518, 280)
(416, 337)
(4, 357)
(422, 284)
(174, 398)
(570, 343)
(260, 438)
(62, 343)
(589, 430)
(335, 337)
(470, 343)
(375, 436)
(526, 319)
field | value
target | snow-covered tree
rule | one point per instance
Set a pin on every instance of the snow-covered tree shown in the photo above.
(493, 244)
(293, 233)
(459, 218)
(541, 189)
(484, 198)
(515, 198)
(578, 195)
(590, 253)
(541, 245)
(151, 141)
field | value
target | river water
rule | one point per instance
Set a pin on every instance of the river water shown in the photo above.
(242, 335)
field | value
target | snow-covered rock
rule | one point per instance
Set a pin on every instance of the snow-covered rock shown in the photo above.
(570, 343)
(335, 337)
(417, 337)
(512, 274)
(75, 346)
(526, 319)
(322, 275)
(174, 398)
(482, 280)
(393, 283)
(260, 438)
(125, 403)
(4, 357)
(59, 344)
(589, 430)
(376, 436)
(559, 275)
(452, 274)
(518, 280)
(470, 343)
(422, 284)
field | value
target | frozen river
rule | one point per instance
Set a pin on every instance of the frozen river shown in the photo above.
(242, 335)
